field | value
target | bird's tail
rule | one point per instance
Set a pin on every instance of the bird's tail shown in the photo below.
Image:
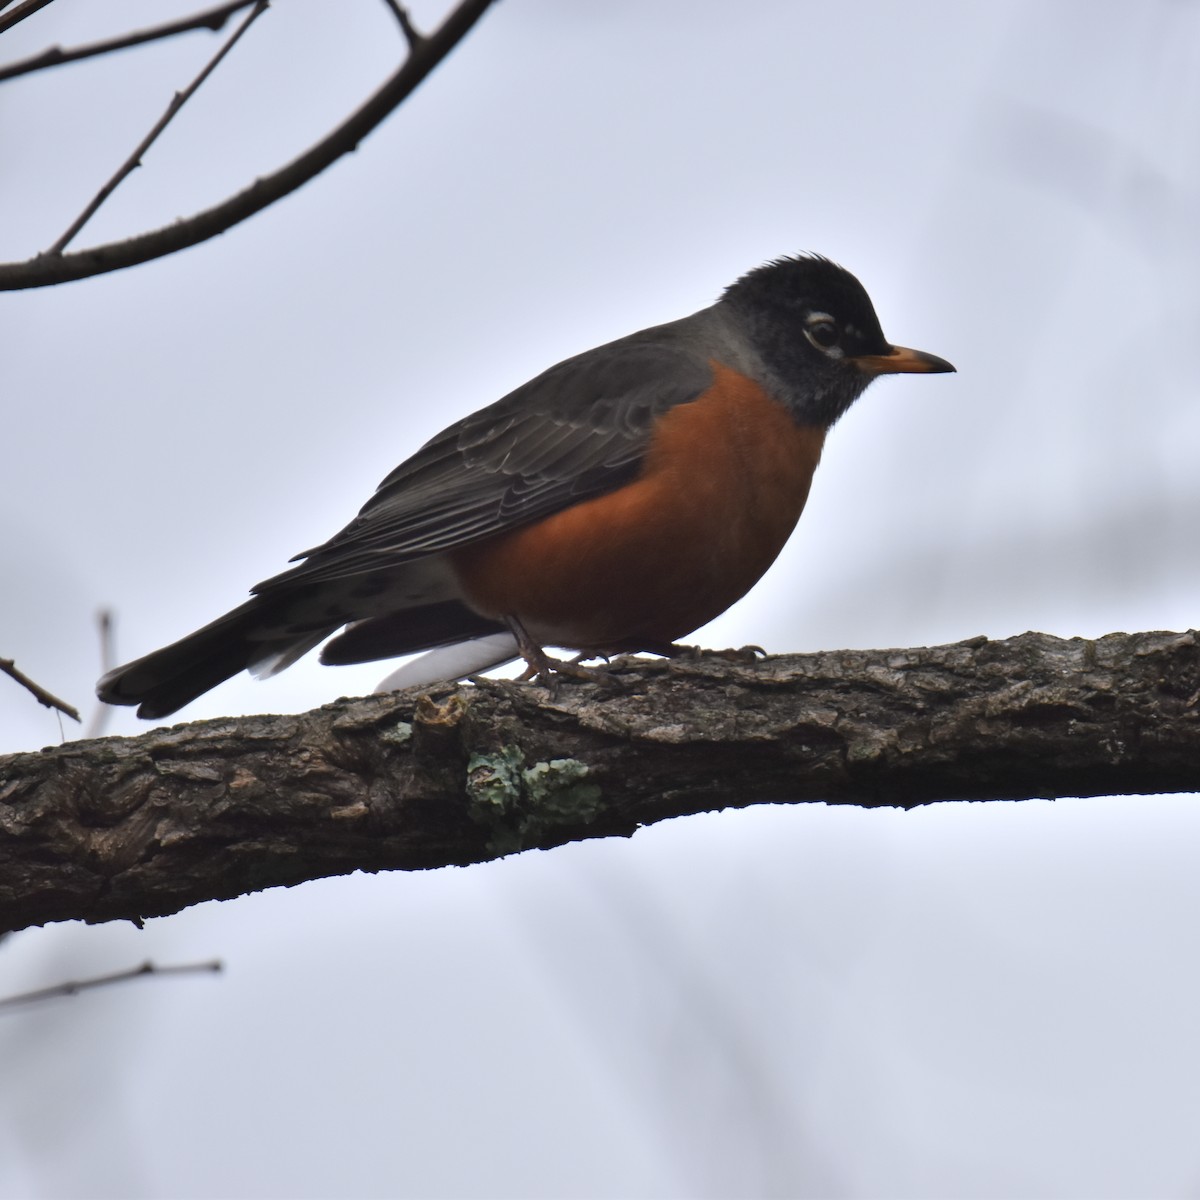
(255, 637)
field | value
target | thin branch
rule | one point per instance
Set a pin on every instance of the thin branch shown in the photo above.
(26, 9)
(101, 712)
(213, 19)
(45, 270)
(74, 987)
(104, 627)
(39, 693)
(411, 36)
(129, 828)
(135, 159)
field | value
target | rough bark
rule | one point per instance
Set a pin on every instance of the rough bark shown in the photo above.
(138, 827)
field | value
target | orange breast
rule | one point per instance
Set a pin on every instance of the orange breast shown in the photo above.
(724, 482)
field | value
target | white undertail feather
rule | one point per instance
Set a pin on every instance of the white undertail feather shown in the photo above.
(448, 663)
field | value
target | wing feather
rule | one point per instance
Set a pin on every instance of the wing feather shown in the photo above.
(577, 430)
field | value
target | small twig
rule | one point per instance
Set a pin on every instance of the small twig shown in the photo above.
(18, 14)
(104, 625)
(411, 36)
(177, 102)
(102, 712)
(212, 18)
(39, 693)
(82, 985)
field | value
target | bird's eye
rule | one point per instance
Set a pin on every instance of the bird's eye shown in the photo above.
(822, 330)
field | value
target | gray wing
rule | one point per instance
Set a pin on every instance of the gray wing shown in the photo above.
(577, 430)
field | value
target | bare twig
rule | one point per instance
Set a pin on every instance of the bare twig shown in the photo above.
(212, 18)
(46, 270)
(74, 987)
(177, 102)
(101, 712)
(104, 626)
(411, 36)
(39, 693)
(26, 9)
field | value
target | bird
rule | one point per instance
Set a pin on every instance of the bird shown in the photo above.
(613, 504)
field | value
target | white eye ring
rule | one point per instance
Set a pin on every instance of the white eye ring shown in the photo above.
(823, 332)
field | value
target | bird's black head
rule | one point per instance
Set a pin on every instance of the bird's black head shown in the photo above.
(816, 330)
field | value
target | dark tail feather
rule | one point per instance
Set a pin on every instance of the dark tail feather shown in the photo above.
(423, 628)
(166, 680)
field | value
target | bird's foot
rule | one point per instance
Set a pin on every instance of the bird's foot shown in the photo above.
(584, 655)
(546, 670)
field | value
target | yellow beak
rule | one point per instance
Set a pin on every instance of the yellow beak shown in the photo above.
(899, 360)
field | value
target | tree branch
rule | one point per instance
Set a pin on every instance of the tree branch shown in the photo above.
(138, 827)
(135, 159)
(25, 9)
(411, 36)
(212, 19)
(46, 270)
(49, 699)
(75, 986)
(101, 712)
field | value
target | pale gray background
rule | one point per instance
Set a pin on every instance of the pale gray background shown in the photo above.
(968, 1001)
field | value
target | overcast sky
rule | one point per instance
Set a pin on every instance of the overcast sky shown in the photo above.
(967, 1001)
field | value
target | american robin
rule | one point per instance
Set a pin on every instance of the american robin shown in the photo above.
(615, 503)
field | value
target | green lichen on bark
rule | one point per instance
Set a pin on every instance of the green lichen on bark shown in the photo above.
(519, 804)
